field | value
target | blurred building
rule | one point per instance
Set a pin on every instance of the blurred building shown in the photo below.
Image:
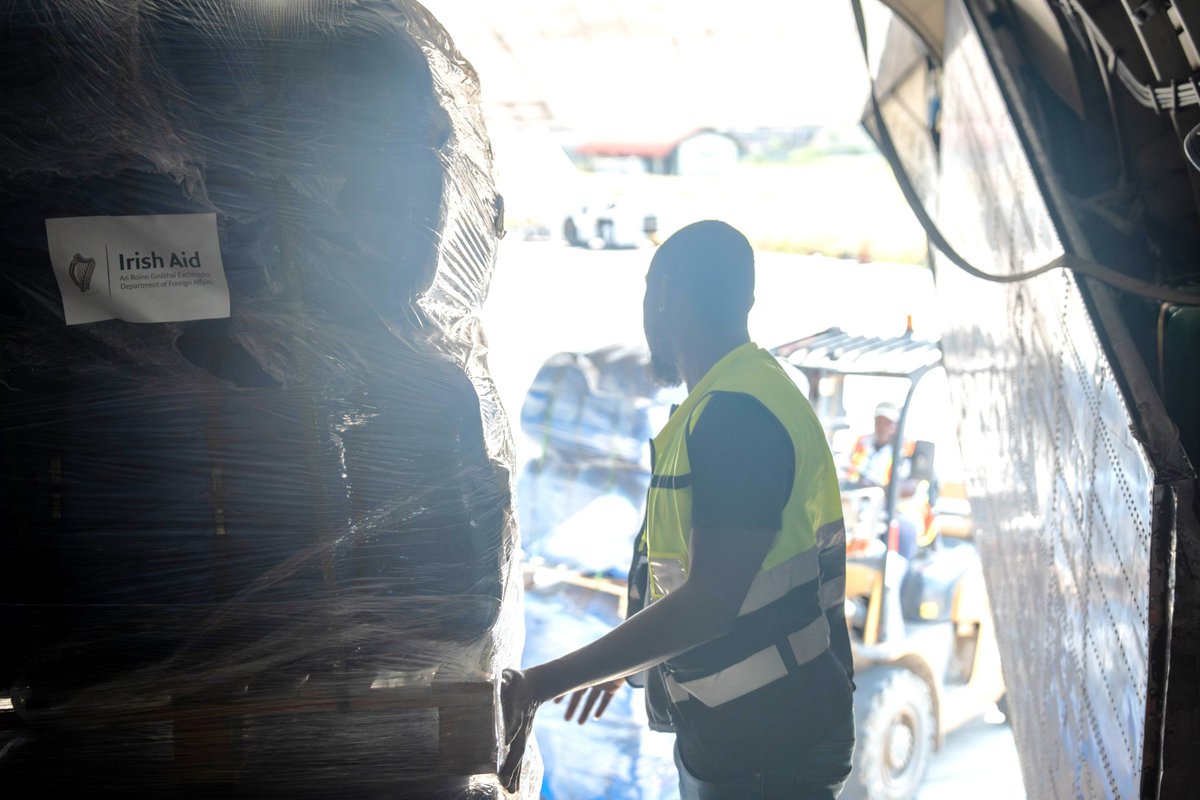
(702, 152)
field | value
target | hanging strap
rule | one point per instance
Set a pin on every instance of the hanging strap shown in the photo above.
(1075, 264)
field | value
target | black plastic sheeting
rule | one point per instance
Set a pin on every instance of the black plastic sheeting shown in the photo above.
(267, 550)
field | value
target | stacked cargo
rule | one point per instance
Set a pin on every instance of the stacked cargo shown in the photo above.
(588, 419)
(257, 529)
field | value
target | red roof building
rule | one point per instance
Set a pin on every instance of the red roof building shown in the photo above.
(702, 152)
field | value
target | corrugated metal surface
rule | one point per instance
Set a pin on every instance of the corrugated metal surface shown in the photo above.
(837, 350)
(1061, 490)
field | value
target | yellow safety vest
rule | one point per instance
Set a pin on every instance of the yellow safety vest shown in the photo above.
(803, 573)
(915, 505)
(861, 453)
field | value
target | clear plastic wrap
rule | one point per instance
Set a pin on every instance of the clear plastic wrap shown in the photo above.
(271, 551)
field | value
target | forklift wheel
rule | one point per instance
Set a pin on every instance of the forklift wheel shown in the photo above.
(894, 728)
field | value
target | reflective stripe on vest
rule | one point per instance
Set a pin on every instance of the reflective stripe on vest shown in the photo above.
(809, 550)
(831, 543)
(764, 667)
(667, 575)
(772, 584)
(833, 593)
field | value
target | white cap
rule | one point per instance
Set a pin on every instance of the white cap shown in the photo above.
(887, 411)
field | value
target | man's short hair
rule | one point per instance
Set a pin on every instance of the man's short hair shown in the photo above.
(711, 264)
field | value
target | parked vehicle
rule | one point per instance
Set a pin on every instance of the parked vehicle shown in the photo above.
(610, 224)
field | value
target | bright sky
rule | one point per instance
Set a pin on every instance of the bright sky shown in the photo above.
(629, 67)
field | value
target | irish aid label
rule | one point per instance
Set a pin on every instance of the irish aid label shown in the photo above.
(157, 268)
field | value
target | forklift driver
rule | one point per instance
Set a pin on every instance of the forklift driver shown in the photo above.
(870, 465)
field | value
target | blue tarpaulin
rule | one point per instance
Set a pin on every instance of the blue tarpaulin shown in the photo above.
(615, 757)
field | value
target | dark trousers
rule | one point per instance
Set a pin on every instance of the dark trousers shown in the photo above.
(816, 774)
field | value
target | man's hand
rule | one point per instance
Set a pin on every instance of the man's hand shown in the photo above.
(601, 693)
(518, 706)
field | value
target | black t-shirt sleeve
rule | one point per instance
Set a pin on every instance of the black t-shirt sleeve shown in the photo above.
(742, 464)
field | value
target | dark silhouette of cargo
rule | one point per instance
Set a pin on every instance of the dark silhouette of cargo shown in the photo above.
(227, 539)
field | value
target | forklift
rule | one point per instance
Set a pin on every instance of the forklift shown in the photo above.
(921, 629)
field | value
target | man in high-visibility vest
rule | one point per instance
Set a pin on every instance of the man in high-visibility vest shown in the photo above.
(737, 588)
(871, 458)
(870, 465)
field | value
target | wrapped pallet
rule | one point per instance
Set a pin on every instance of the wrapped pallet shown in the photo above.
(257, 532)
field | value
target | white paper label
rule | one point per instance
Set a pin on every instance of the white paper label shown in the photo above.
(160, 268)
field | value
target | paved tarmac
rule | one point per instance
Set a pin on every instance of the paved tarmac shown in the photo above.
(977, 761)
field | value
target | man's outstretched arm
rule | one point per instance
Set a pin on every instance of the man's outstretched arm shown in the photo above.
(723, 565)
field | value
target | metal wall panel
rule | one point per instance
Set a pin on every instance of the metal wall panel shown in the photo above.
(1060, 488)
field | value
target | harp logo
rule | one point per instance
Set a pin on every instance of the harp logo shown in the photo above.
(144, 268)
(80, 271)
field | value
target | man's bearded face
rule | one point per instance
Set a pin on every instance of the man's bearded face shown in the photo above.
(663, 364)
(664, 357)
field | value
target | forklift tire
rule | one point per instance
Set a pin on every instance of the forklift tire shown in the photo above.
(895, 731)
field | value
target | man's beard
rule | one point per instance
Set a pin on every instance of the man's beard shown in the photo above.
(664, 370)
